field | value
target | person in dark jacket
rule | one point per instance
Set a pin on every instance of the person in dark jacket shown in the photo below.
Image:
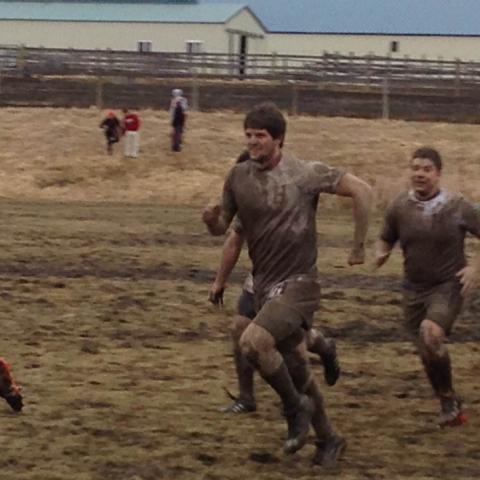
(178, 115)
(111, 127)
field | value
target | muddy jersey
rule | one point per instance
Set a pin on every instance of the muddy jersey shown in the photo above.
(276, 209)
(431, 234)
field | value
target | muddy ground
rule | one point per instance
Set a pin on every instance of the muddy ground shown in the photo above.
(104, 274)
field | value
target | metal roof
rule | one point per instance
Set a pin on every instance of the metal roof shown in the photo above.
(118, 12)
(369, 17)
(390, 17)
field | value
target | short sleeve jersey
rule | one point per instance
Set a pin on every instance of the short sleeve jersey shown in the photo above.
(431, 234)
(276, 212)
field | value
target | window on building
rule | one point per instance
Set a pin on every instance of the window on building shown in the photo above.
(394, 46)
(144, 46)
(194, 46)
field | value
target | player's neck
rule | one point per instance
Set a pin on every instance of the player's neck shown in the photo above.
(273, 161)
(427, 196)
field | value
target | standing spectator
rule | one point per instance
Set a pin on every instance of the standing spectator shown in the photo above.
(111, 127)
(178, 115)
(131, 125)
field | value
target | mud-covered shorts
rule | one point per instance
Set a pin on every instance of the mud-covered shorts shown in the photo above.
(441, 304)
(289, 307)
(246, 305)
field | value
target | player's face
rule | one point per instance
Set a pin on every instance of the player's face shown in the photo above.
(261, 146)
(425, 178)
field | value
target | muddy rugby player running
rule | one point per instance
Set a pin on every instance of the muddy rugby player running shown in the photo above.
(275, 197)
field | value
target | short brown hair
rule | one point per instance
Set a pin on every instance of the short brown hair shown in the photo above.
(269, 117)
(430, 154)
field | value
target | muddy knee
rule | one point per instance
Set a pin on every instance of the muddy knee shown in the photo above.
(432, 339)
(299, 369)
(237, 327)
(258, 346)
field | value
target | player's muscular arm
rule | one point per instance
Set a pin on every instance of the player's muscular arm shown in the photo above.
(361, 194)
(231, 251)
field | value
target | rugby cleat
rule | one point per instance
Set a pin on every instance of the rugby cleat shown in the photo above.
(9, 390)
(298, 425)
(452, 414)
(329, 451)
(239, 405)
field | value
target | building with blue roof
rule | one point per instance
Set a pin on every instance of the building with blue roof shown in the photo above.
(430, 29)
(151, 25)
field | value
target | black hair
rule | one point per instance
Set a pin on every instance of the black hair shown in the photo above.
(429, 154)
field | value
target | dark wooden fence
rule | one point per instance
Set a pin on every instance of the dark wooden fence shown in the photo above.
(330, 84)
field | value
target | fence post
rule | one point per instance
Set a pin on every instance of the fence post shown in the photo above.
(457, 77)
(294, 104)
(99, 93)
(195, 93)
(285, 67)
(385, 98)
(369, 70)
(21, 60)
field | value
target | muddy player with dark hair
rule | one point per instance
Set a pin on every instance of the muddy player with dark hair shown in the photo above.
(431, 223)
(275, 197)
(325, 348)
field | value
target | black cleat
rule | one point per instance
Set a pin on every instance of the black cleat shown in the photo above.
(329, 451)
(331, 366)
(240, 406)
(15, 401)
(298, 425)
(9, 390)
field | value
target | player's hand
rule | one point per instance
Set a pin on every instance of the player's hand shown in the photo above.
(357, 256)
(216, 295)
(211, 214)
(380, 259)
(468, 277)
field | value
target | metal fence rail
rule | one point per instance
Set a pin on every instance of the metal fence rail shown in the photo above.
(349, 70)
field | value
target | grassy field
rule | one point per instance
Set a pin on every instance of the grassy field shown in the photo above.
(105, 269)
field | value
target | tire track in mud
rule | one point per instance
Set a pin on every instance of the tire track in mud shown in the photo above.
(165, 271)
(335, 287)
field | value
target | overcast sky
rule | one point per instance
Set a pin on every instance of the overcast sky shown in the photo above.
(389, 16)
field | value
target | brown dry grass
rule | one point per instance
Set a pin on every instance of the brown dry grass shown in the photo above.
(104, 272)
(55, 154)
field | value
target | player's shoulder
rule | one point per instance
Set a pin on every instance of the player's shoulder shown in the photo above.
(400, 200)
(296, 164)
(458, 200)
(239, 170)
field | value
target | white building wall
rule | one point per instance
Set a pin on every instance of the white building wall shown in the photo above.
(448, 48)
(165, 37)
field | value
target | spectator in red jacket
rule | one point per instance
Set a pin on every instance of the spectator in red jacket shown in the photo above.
(131, 125)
